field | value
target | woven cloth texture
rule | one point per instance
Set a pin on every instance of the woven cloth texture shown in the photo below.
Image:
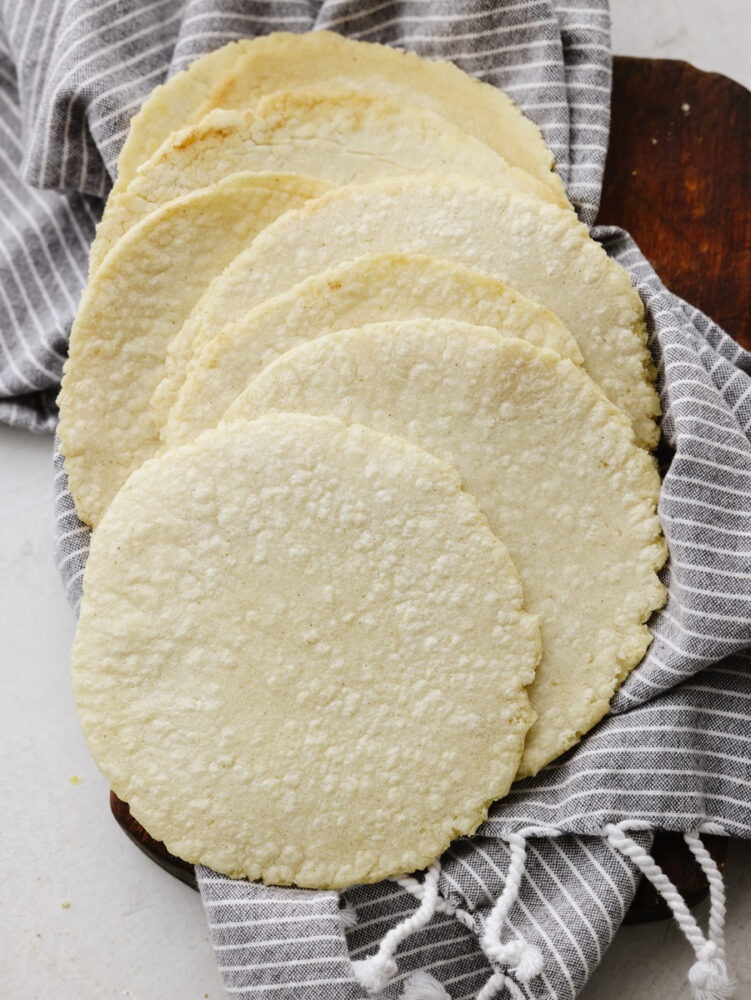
(675, 750)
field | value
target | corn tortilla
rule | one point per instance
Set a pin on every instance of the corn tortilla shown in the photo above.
(302, 654)
(542, 251)
(340, 136)
(239, 74)
(132, 308)
(553, 465)
(369, 289)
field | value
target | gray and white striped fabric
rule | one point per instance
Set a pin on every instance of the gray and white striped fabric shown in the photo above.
(675, 751)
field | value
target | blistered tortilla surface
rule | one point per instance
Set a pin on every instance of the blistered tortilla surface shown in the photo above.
(340, 136)
(302, 653)
(369, 289)
(239, 74)
(542, 251)
(552, 464)
(132, 308)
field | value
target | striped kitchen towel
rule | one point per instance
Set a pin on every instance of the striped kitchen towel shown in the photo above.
(527, 906)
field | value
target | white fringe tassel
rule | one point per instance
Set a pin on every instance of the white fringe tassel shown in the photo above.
(441, 905)
(496, 983)
(377, 971)
(709, 977)
(523, 959)
(423, 986)
(348, 916)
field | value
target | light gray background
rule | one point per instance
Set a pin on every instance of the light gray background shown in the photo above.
(83, 915)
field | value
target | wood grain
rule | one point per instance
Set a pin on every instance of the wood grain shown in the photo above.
(677, 178)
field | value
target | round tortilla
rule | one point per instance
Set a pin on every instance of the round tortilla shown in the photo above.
(341, 136)
(130, 311)
(169, 107)
(241, 73)
(302, 654)
(553, 466)
(541, 250)
(369, 289)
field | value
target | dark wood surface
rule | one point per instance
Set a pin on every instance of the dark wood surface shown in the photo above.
(677, 177)
(154, 849)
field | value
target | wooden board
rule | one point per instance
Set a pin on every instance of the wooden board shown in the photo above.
(677, 177)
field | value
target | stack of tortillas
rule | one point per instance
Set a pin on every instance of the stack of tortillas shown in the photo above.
(362, 419)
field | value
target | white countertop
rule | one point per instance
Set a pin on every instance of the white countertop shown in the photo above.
(83, 914)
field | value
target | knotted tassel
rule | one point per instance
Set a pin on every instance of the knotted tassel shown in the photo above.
(442, 905)
(377, 971)
(522, 959)
(708, 977)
